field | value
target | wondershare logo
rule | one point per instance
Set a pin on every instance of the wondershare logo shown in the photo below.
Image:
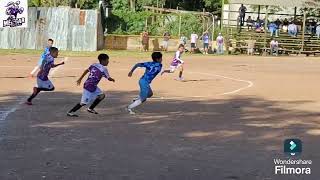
(292, 165)
(292, 146)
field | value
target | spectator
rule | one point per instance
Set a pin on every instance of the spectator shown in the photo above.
(145, 41)
(194, 40)
(220, 42)
(318, 31)
(258, 25)
(251, 44)
(250, 23)
(293, 29)
(313, 26)
(278, 23)
(183, 40)
(166, 37)
(285, 25)
(273, 29)
(206, 41)
(242, 14)
(274, 47)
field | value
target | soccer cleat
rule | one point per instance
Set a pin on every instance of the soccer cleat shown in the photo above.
(92, 111)
(130, 111)
(28, 103)
(179, 79)
(70, 114)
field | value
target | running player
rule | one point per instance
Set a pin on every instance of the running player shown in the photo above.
(152, 70)
(177, 63)
(91, 92)
(43, 82)
(43, 56)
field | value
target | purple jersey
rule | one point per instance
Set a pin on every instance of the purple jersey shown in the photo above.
(46, 66)
(96, 72)
(176, 60)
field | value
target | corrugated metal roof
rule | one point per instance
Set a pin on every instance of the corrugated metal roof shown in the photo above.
(283, 3)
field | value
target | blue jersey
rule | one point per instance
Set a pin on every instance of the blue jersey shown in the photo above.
(152, 70)
(43, 55)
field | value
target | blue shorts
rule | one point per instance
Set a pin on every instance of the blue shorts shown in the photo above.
(145, 90)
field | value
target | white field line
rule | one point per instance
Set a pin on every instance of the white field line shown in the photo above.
(249, 83)
(5, 114)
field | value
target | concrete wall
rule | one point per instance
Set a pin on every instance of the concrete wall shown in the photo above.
(71, 29)
(132, 42)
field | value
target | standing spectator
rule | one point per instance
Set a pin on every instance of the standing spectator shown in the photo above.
(242, 14)
(145, 41)
(278, 23)
(318, 31)
(250, 23)
(293, 29)
(313, 27)
(166, 37)
(183, 40)
(285, 25)
(251, 44)
(274, 47)
(220, 42)
(194, 40)
(206, 40)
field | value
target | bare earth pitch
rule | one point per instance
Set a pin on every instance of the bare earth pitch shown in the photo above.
(227, 121)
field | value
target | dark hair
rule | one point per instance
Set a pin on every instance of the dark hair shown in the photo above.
(53, 49)
(156, 55)
(50, 40)
(180, 46)
(103, 57)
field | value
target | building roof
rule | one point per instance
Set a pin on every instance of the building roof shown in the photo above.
(283, 3)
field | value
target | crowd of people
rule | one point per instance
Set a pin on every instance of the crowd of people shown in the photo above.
(195, 47)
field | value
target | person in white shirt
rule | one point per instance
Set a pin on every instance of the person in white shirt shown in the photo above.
(293, 30)
(194, 39)
(318, 31)
(274, 47)
(220, 42)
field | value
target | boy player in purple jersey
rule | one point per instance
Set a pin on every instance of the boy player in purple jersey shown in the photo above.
(152, 70)
(91, 92)
(43, 82)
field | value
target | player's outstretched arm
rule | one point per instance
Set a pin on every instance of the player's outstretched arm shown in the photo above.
(82, 76)
(111, 79)
(134, 68)
(56, 65)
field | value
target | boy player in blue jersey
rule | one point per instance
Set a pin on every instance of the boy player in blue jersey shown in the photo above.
(152, 70)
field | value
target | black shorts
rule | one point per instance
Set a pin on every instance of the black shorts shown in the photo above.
(193, 45)
(206, 45)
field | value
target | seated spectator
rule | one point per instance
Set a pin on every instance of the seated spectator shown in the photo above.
(285, 25)
(250, 23)
(273, 29)
(293, 29)
(318, 31)
(258, 25)
(274, 47)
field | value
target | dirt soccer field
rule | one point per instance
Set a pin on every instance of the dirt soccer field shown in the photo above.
(226, 121)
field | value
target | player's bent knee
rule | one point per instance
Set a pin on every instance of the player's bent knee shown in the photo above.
(102, 96)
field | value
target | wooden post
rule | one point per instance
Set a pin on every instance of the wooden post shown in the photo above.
(259, 9)
(295, 13)
(228, 29)
(222, 16)
(303, 28)
(180, 19)
(266, 28)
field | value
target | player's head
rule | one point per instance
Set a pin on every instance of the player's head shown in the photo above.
(50, 42)
(103, 59)
(181, 48)
(157, 57)
(54, 52)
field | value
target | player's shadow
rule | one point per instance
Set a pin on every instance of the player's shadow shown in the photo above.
(189, 139)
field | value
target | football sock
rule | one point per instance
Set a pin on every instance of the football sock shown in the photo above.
(76, 108)
(135, 104)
